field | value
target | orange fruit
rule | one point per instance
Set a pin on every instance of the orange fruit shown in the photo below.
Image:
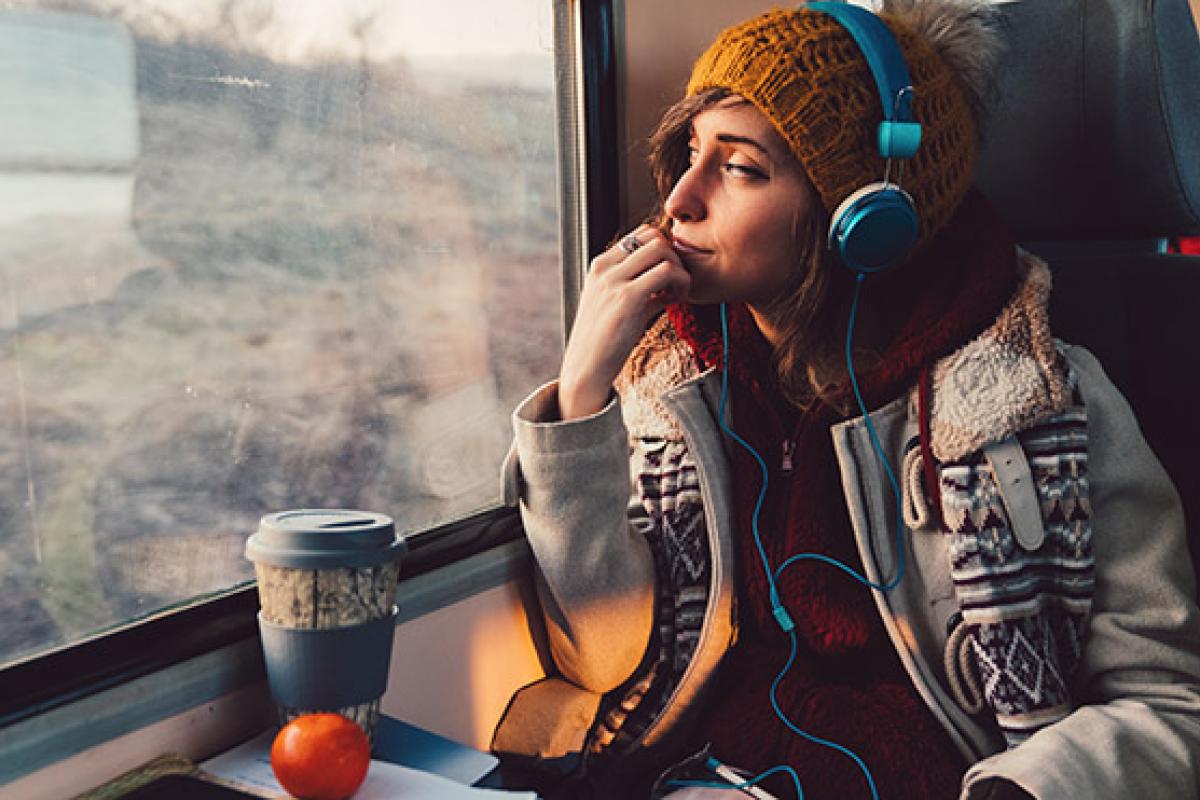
(321, 757)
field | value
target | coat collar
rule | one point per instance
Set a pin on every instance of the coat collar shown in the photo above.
(1008, 377)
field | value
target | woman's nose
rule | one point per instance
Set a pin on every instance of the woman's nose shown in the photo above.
(685, 203)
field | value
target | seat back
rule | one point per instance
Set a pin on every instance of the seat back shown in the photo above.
(1093, 157)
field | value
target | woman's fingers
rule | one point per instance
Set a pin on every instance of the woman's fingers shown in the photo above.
(648, 268)
(624, 249)
(653, 248)
(643, 271)
(663, 283)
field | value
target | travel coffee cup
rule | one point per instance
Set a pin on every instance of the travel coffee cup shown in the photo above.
(327, 587)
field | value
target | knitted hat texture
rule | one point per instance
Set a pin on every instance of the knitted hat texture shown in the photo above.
(805, 72)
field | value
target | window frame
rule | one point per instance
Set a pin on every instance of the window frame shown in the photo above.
(588, 135)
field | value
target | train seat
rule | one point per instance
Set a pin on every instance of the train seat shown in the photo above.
(1092, 155)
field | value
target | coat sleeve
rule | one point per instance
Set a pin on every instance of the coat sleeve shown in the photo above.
(1136, 732)
(595, 572)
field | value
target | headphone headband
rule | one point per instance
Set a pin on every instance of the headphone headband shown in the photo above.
(876, 225)
(898, 135)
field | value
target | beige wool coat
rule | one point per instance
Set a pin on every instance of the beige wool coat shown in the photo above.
(1132, 727)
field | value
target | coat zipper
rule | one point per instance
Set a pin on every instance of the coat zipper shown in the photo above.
(787, 463)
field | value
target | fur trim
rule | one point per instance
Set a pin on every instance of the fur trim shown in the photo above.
(1007, 378)
(660, 361)
(964, 33)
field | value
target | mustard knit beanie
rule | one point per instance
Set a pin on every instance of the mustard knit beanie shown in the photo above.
(805, 72)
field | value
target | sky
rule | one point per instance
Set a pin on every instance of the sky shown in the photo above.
(297, 30)
(410, 27)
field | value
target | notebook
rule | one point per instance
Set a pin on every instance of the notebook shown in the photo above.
(408, 762)
(401, 743)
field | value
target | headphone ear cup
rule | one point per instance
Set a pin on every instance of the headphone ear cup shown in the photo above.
(874, 228)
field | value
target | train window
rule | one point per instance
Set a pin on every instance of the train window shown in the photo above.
(258, 255)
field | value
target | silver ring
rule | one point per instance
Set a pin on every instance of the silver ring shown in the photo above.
(629, 244)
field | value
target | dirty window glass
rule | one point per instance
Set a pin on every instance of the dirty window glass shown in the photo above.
(258, 255)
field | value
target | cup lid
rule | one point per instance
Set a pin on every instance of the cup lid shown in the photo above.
(320, 538)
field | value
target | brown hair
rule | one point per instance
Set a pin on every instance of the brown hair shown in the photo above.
(807, 315)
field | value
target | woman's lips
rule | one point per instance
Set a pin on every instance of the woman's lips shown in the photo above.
(687, 249)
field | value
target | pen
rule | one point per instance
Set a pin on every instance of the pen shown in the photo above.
(731, 776)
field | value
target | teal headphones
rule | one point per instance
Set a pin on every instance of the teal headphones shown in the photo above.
(876, 225)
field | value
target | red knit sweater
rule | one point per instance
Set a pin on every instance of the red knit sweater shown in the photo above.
(847, 684)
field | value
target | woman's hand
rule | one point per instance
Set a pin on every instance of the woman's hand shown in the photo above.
(622, 292)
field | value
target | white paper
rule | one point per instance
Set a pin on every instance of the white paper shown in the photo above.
(249, 765)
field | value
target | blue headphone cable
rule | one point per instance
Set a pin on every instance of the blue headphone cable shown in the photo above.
(780, 613)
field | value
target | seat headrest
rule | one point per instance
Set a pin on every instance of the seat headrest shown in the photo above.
(1095, 130)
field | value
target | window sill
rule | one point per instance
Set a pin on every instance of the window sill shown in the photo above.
(38, 731)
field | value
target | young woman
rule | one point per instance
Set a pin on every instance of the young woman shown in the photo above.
(980, 589)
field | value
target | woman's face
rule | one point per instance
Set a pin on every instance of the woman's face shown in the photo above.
(735, 210)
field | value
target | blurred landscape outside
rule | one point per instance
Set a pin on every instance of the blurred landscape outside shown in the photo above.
(247, 265)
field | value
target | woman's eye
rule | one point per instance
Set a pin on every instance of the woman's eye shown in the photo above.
(743, 170)
(736, 169)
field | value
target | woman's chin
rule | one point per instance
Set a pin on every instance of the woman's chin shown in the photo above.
(700, 296)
